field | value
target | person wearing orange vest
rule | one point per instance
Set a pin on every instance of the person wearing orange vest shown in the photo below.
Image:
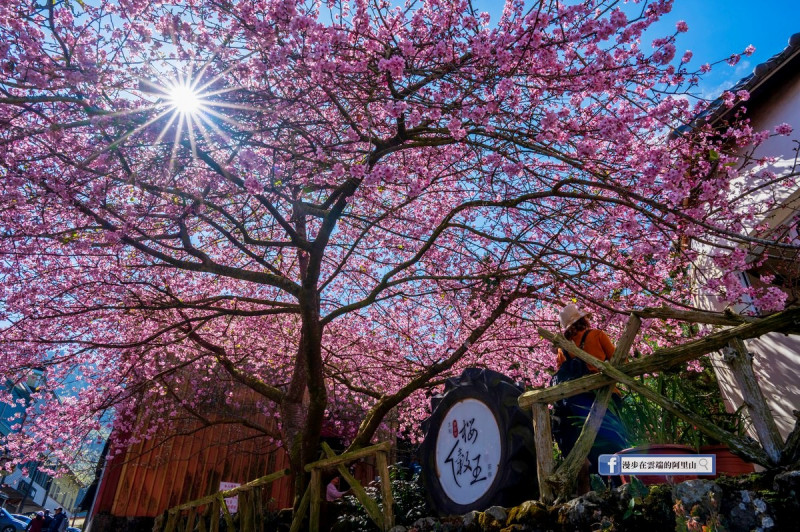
(611, 436)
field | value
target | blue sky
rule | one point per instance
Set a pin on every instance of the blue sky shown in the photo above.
(718, 28)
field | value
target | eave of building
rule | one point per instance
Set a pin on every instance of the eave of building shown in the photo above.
(760, 85)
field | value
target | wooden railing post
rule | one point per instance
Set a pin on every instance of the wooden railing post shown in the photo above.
(215, 510)
(300, 514)
(190, 520)
(386, 489)
(251, 491)
(740, 362)
(741, 446)
(543, 441)
(316, 494)
(663, 359)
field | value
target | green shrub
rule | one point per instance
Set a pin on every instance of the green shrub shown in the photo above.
(409, 503)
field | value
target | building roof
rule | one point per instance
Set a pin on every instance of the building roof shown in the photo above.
(766, 77)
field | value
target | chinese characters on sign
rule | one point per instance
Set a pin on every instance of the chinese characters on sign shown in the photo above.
(461, 463)
(696, 464)
(468, 451)
(644, 465)
(231, 502)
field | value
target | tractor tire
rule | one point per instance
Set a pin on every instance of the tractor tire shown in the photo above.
(478, 449)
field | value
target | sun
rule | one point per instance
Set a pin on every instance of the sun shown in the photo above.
(192, 106)
(185, 99)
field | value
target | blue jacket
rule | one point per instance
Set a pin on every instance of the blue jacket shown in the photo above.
(57, 519)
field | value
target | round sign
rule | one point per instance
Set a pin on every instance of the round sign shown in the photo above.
(468, 451)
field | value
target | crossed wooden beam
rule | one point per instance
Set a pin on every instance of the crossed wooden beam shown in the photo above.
(184, 517)
(192, 515)
(311, 501)
(770, 451)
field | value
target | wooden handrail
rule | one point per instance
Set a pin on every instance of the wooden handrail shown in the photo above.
(217, 500)
(663, 359)
(772, 451)
(349, 457)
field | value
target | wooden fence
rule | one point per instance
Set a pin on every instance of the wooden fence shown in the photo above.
(194, 515)
(204, 514)
(383, 518)
(770, 451)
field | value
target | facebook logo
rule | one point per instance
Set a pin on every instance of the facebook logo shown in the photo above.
(608, 464)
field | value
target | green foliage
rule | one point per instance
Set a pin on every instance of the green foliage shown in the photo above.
(646, 422)
(597, 484)
(409, 503)
(638, 492)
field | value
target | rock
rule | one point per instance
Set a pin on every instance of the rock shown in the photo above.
(398, 528)
(471, 522)
(785, 503)
(788, 483)
(487, 522)
(498, 513)
(692, 492)
(767, 522)
(580, 513)
(529, 512)
(425, 523)
(743, 515)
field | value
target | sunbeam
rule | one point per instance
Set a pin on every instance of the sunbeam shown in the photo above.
(192, 107)
(185, 99)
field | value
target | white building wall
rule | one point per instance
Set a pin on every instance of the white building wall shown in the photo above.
(776, 359)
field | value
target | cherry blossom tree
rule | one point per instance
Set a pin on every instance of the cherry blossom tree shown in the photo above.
(334, 205)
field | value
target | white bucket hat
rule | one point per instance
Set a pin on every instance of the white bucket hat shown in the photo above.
(570, 314)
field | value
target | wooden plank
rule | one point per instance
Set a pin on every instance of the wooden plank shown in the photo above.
(215, 515)
(661, 359)
(227, 514)
(740, 361)
(158, 524)
(300, 514)
(626, 340)
(349, 457)
(565, 478)
(172, 520)
(190, 520)
(201, 525)
(386, 490)
(694, 316)
(316, 500)
(258, 508)
(244, 512)
(543, 442)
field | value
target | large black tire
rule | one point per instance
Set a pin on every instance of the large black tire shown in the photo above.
(514, 479)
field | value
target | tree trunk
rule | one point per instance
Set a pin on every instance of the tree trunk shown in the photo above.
(303, 409)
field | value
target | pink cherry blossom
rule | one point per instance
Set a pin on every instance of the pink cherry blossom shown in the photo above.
(256, 209)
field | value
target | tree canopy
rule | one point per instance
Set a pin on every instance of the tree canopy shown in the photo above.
(337, 204)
